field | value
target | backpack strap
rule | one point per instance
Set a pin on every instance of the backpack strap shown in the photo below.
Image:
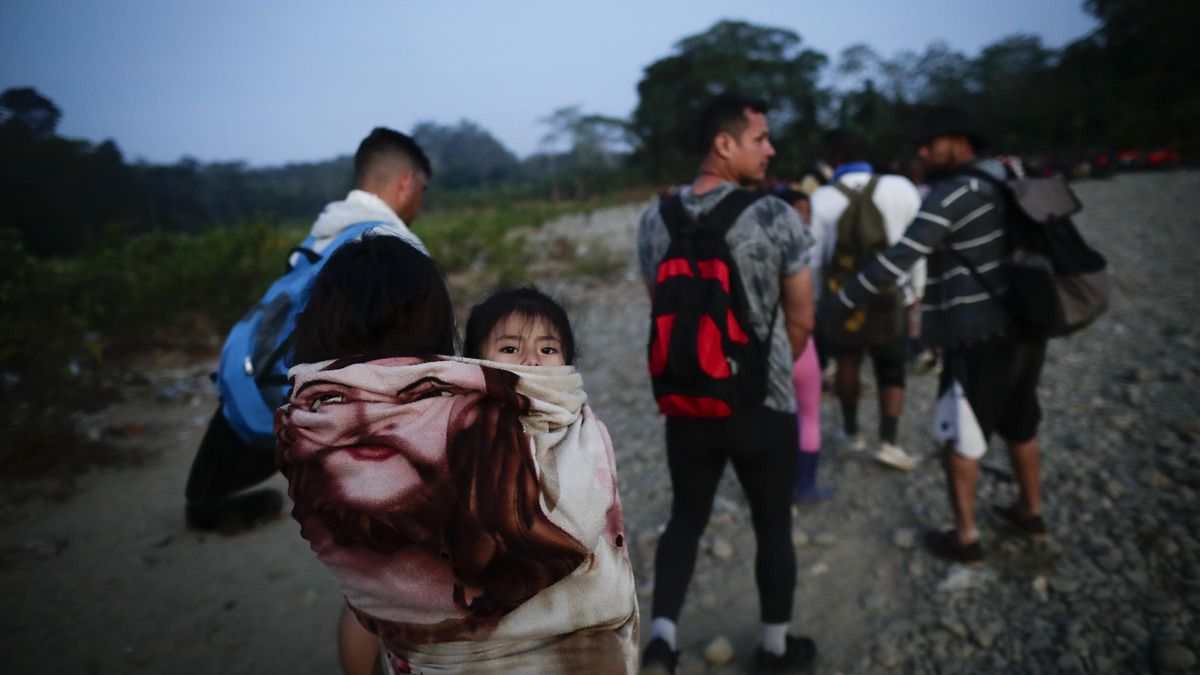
(349, 232)
(719, 219)
(999, 185)
(999, 188)
(851, 193)
(266, 373)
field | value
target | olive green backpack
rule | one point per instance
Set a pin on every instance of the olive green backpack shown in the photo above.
(860, 236)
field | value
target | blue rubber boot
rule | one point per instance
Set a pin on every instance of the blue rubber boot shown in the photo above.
(806, 488)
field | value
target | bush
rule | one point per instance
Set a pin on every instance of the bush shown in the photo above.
(66, 317)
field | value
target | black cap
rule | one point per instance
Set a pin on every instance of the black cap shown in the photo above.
(948, 120)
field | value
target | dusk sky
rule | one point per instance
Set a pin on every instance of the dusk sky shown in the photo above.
(276, 81)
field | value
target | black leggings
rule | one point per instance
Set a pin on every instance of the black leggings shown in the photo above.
(761, 444)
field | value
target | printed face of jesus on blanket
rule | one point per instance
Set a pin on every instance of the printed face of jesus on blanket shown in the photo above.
(426, 499)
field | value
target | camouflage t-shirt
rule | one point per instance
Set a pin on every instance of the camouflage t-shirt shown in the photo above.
(768, 242)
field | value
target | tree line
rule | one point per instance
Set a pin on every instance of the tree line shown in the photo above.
(1125, 85)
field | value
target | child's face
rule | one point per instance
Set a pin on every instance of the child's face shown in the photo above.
(529, 341)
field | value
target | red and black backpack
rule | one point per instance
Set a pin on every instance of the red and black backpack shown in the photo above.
(705, 358)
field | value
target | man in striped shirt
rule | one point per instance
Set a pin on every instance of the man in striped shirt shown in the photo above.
(990, 375)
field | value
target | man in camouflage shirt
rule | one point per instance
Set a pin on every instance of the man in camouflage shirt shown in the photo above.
(770, 247)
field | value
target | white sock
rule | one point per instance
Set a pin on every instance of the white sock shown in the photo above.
(665, 629)
(774, 638)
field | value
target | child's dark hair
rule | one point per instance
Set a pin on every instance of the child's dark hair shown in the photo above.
(527, 302)
(378, 296)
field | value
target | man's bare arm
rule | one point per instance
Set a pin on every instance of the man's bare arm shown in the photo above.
(796, 302)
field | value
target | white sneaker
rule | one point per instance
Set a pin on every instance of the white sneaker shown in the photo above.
(852, 442)
(895, 457)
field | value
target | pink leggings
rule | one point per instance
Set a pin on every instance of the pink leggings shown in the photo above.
(806, 377)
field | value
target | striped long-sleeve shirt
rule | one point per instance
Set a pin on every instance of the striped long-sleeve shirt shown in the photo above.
(959, 214)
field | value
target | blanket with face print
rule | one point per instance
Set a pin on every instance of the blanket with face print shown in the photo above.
(468, 509)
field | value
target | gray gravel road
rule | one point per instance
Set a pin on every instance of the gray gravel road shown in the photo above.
(109, 581)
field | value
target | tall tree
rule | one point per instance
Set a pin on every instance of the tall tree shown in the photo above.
(465, 155)
(731, 55)
(1134, 75)
(25, 109)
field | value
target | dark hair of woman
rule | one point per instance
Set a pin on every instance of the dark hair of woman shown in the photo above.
(526, 302)
(376, 297)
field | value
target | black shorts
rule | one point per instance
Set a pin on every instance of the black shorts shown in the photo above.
(997, 379)
(888, 360)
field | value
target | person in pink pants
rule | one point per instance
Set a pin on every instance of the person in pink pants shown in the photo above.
(806, 377)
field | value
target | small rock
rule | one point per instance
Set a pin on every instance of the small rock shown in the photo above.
(904, 538)
(825, 539)
(818, 569)
(1069, 663)
(1040, 642)
(724, 504)
(1040, 587)
(915, 568)
(961, 578)
(719, 651)
(1161, 603)
(887, 656)
(1064, 585)
(800, 538)
(1169, 632)
(954, 626)
(1174, 657)
(986, 636)
(1078, 644)
(722, 550)
(1133, 630)
(873, 600)
(1168, 547)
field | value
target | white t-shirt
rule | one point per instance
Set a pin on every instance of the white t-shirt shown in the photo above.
(898, 202)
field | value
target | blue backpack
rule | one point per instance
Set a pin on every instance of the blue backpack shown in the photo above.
(252, 377)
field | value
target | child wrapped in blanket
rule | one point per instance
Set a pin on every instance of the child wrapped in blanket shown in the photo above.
(468, 508)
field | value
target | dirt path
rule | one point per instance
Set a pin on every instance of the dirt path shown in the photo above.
(110, 581)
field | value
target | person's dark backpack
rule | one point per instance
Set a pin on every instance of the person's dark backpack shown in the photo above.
(861, 235)
(705, 358)
(252, 377)
(1057, 284)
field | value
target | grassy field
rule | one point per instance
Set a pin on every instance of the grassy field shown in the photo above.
(70, 323)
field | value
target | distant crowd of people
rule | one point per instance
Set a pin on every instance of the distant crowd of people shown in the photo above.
(468, 505)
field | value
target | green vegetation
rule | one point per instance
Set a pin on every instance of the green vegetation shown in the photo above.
(69, 320)
(104, 258)
(67, 316)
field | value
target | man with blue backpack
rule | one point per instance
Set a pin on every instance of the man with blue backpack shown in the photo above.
(238, 449)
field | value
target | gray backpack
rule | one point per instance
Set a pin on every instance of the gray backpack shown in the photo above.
(1057, 284)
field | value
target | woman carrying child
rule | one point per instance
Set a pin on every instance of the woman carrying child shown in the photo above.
(467, 507)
